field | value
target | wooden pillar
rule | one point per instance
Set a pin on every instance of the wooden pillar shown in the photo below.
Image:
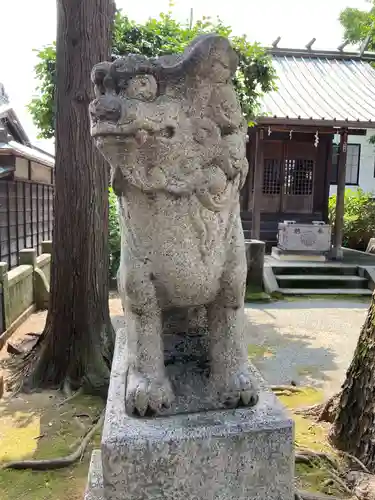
(337, 253)
(257, 185)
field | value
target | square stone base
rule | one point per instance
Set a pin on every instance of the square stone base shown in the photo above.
(246, 453)
(289, 256)
(94, 490)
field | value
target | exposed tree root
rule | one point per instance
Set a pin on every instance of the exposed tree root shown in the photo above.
(356, 460)
(71, 396)
(337, 476)
(286, 388)
(61, 462)
(340, 482)
(328, 412)
(308, 495)
(322, 412)
(307, 456)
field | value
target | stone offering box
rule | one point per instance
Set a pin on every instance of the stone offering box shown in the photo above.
(315, 237)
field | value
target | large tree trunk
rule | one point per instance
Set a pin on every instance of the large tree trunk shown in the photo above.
(77, 343)
(353, 429)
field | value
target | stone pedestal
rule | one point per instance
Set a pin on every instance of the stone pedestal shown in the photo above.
(95, 490)
(290, 256)
(255, 250)
(246, 453)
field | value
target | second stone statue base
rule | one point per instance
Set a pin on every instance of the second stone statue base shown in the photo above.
(246, 453)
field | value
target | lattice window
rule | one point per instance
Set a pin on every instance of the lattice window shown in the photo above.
(271, 177)
(26, 217)
(298, 177)
(353, 160)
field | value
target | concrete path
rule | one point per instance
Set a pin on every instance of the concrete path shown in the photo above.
(310, 342)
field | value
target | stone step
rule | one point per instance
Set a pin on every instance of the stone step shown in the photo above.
(305, 271)
(325, 291)
(319, 277)
(320, 281)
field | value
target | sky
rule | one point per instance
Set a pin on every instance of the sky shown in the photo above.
(28, 25)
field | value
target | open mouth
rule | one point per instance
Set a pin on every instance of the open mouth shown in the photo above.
(139, 132)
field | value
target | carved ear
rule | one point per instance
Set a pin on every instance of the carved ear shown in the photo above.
(211, 56)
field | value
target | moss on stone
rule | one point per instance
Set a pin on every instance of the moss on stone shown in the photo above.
(256, 296)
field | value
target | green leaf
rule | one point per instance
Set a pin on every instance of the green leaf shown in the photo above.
(155, 37)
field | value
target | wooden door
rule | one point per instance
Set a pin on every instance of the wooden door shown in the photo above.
(273, 155)
(298, 177)
(288, 177)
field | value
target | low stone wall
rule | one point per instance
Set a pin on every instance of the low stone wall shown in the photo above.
(44, 264)
(24, 289)
(20, 294)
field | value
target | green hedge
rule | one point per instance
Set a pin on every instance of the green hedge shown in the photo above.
(114, 235)
(359, 223)
(359, 218)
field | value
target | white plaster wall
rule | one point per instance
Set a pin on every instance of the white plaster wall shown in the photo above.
(367, 163)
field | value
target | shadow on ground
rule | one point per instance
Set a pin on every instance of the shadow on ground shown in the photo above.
(304, 342)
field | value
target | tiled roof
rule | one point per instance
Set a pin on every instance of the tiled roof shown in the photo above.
(27, 152)
(334, 91)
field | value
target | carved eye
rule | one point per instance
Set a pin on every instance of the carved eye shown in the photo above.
(143, 87)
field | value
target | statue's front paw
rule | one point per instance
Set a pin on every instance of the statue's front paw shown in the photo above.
(147, 394)
(237, 389)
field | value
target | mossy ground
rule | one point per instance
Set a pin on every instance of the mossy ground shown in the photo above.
(257, 351)
(36, 427)
(313, 436)
(255, 294)
(276, 296)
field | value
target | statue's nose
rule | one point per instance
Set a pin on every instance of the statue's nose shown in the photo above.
(106, 107)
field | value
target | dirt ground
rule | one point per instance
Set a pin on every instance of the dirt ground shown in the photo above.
(35, 324)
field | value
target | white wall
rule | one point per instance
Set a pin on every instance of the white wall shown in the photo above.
(367, 163)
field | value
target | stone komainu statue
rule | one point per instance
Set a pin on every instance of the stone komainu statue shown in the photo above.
(174, 134)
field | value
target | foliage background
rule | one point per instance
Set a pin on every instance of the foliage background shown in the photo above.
(158, 36)
(114, 235)
(359, 28)
(359, 218)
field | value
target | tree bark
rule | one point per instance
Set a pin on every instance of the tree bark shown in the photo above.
(77, 343)
(353, 429)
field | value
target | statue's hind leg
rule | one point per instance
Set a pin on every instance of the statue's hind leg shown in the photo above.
(147, 388)
(228, 349)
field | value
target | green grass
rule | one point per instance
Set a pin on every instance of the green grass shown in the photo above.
(256, 351)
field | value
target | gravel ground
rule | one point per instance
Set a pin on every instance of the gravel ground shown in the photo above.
(310, 342)
(306, 341)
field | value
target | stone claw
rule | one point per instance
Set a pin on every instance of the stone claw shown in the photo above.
(147, 394)
(238, 390)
